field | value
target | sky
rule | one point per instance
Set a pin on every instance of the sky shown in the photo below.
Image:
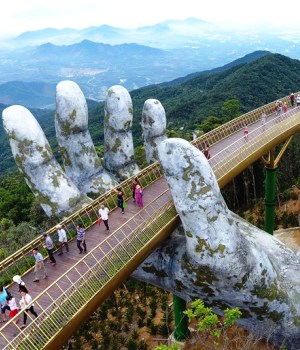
(19, 16)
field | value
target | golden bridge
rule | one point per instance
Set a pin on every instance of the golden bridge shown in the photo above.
(78, 284)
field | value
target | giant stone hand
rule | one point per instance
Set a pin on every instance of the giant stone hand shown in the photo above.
(219, 257)
(62, 192)
(215, 255)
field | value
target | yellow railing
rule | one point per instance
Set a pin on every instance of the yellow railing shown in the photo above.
(22, 261)
(236, 125)
(236, 157)
(70, 293)
(107, 264)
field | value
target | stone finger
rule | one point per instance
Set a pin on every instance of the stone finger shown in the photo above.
(118, 143)
(154, 127)
(56, 193)
(80, 159)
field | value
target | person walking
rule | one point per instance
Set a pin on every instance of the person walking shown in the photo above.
(25, 302)
(103, 215)
(12, 303)
(81, 238)
(292, 99)
(139, 196)
(62, 239)
(263, 120)
(246, 132)
(285, 107)
(39, 265)
(20, 282)
(134, 184)
(50, 248)
(120, 194)
(298, 100)
(206, 151)
(3, 303)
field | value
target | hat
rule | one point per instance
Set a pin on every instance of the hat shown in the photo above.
(58, 226)
(17, 279)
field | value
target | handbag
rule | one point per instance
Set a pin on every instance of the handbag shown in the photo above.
(99, 221)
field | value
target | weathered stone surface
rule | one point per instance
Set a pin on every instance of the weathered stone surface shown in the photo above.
(54, 190)
(154, 127)
(79, 156)
(118, 144)
(220, 258)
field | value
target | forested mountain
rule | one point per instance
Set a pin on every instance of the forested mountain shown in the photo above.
(251, 81)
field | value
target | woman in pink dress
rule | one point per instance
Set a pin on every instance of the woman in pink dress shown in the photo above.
(139, 196)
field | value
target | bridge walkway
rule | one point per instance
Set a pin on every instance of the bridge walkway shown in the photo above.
(79, 283)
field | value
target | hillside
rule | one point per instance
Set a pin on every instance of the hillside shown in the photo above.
(253, 84)
(252, 81)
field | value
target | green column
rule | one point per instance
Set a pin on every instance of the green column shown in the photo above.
(181, 321)
(270, 199)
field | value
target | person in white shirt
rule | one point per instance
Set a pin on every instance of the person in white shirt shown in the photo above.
(62, 238)
(103, 214)
(26, 306)
(12, 303)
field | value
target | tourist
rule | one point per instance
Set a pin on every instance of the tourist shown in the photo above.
(25, 306)
(246, 132)
(292, 99)
(20, 282)
(12, 303)
(298, 100)
(3, 303)
(39, 265)
(285, 107)
(62, 239)
(206, 151)
(134, 184)
(103, 215)
(263, 120)
(120, 194)
(81, 238)
(139, 196)
(49, 246)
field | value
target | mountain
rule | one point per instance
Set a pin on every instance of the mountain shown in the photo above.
(253, 84)
(33, 94)
(253, 80)
(101, 56)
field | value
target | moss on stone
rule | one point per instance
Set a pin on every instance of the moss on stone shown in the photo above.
(189, 234)
(179, 285)
(151, 121)
(153, 271)
(297, 321)
(116, 146)
(272, 292)
(73, 115)
(203, 246)
(127, 125)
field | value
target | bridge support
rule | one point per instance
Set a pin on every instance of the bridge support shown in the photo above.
(270, 186)
(181, 321)
(270, 199)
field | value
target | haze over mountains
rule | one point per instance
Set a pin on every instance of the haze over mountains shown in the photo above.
(99, 57)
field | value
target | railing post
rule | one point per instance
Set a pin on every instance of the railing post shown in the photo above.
(181, 321)
(270, 199)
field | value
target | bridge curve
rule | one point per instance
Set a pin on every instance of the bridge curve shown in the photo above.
(65, 302)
